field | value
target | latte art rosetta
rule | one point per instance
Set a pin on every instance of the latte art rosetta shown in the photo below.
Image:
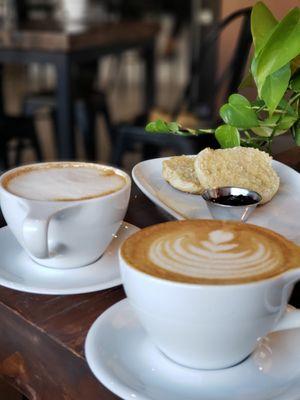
(217, 257)
(210, 252)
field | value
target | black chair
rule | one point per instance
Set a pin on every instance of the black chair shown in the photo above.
(88, 103)
(129, 136)
(17, 134)
(86, 109)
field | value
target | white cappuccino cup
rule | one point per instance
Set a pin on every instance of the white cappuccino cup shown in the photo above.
(206, 291)
(64, 214)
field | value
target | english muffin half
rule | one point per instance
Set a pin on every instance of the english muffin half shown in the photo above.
(241, 167)
(179, 171)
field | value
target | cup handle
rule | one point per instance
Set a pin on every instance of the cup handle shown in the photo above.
(290, 316)
(35, 234)
(289, 320)
(35, 230)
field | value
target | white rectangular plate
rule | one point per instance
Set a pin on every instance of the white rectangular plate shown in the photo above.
(281, 214)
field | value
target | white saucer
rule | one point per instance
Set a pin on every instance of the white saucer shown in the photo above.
(19, 272)
(121, 356)
(281, 214)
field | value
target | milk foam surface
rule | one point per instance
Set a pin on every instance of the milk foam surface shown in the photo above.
(219, 256)
(209, 251)
(65, 182)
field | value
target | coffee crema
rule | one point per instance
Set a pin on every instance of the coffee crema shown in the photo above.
(64, 181)
(210, 252)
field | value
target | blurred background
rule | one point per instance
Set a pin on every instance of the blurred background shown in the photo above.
(80, 78)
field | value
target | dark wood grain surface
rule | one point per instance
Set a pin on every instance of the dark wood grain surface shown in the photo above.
(42, 337)
(290, 157)
(51, 36)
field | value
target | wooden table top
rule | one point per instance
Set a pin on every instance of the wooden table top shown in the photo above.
(290, 157)
(56, 326)
(53, 36)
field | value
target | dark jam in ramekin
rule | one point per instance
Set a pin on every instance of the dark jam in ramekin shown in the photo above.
(232, 200)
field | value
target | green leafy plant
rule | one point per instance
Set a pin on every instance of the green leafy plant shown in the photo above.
(275, 72)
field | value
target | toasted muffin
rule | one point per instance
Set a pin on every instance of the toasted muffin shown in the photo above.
(180, 173)
(241, 167)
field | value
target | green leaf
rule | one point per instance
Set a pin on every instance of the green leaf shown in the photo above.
(173, 126)
(282, 123)
(238, 112)
(282, 46)
(227, 136)
(160, 126)
(295, 83)
(275, 87)
(270, 121)
(263, 23)
(286, 122)
(239, 100)
(151, 127)
(262, 131)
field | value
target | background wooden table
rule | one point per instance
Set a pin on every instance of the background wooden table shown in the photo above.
(42, 337)
(52, 43)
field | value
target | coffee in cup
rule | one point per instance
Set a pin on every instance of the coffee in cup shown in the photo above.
(64, 214)
(206, 290)
(208, 252)
(64, 181)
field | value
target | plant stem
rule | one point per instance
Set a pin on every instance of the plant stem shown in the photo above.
(293, 99)
(204, 131)
(259, 109)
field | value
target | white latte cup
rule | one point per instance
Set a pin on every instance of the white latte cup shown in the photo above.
(64, 233)
(212, 323)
